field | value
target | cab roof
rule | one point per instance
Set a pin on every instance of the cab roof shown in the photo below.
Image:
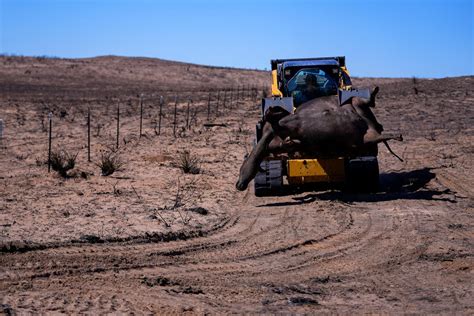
(304, 62)
(309, 63)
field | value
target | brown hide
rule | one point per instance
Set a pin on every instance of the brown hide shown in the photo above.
(320, 127)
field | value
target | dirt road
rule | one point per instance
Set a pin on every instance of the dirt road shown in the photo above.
(407, 249)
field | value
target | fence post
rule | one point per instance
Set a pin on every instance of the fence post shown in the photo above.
(50, 119)
(175, 114)
(193, 114)
(225, 99)
(209, 106)
(187, 114)
(89, 134)
(160, 114)
(141, 115)
(118, 124)
(217, 105)
(1, 133)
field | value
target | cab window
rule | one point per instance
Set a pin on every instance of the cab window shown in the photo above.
(307, 84)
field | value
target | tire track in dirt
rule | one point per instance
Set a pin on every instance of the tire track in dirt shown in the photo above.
(352, 252)
(98, 251)
(417, 287)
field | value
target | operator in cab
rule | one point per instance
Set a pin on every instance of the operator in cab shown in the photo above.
(316, 85)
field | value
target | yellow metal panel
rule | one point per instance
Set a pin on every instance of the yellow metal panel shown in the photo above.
(275, 91)
(346, 71)
(316, 170)
(344, 86)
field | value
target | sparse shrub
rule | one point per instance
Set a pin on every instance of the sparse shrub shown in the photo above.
(21, 156)
(184, 196)
(189, 163)
(62, 161)
(110, 162)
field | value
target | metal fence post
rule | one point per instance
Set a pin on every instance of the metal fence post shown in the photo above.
(217, 105)
(209, 106)
(225, 100)
(50, 119)
(187, 114)
(118, 124)
(160, 114)
(141, 115)
(175, 114)
(1, 133)
(89, 134)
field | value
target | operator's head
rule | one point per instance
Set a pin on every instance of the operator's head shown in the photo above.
(310, 80)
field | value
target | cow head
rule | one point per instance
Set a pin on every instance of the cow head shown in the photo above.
(251, 164)
(247, 172)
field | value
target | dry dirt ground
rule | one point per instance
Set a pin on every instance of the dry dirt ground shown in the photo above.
(151, 239)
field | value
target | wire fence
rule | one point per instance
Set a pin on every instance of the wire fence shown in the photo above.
(107, 121)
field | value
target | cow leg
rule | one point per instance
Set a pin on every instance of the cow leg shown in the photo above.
(373, 137)
(290, 145)
(275, 145)
(287, 145)
(372, 96)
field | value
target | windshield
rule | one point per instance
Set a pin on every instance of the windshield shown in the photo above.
(310, 83)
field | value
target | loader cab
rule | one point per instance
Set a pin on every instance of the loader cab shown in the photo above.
(306, 79)
(295, 81)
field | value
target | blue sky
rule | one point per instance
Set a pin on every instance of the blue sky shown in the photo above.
(392, 38)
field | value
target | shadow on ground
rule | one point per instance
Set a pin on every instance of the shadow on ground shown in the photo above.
(409, 185)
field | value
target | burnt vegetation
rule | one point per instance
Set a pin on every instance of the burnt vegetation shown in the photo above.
(189, 163)
(62, 161)
(110, 162)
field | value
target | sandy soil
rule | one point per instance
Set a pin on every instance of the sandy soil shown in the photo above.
(121, 244)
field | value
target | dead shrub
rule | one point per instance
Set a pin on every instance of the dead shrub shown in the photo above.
(189, 163)
(61, 161)
(110, 162)
(185, 195)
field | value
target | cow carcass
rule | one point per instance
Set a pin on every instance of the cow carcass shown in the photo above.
(321, 127)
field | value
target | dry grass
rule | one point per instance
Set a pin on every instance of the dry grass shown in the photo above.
(186, 195)
(110, 162)
(61, 161)
(189, 163)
